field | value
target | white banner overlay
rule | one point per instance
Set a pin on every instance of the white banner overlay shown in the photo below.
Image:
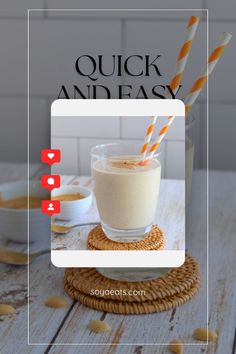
(118, 108)
(117, 259)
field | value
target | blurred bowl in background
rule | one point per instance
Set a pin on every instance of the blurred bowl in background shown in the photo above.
(72, 209)
(13, 221)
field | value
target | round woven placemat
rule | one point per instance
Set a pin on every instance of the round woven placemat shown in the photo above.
(171, 290)
(97, 240)
(173, 282)
(125, 307)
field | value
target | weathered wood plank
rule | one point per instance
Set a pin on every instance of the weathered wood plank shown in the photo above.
(140, 330)
(13, 280)
(181, 322)
(72, 326)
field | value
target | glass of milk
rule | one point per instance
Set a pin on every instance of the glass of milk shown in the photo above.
(126, 193)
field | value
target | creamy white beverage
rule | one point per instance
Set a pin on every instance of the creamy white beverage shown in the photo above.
(126, 193)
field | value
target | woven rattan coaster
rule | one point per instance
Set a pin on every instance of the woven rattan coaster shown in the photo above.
(125, 307)
(171, 290)
(97, 240)
(173, 282)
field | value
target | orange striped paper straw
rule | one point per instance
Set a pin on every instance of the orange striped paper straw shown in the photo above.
(177, 78)
(193, 23)
(148, 136)
(195, 89)
(202, 79)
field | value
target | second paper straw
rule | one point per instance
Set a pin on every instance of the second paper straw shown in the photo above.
(196, 88)
(176, 80)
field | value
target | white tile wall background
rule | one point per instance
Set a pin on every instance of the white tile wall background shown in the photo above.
(13, 66)
(157, 37)
(56, 44)
(86, 127)
(69, 156)
(13, 131)
(75, 136)
(18, 9)
(122, 32)
(162, 13)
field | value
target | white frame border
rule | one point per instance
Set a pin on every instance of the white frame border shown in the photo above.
(126, 108)
(28, 170)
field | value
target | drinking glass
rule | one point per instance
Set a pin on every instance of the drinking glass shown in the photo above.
(126, 193)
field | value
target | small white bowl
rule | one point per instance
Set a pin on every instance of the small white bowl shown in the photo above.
(72, 210)
(13, 222)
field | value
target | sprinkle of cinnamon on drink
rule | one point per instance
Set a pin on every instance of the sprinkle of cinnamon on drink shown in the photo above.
(130, 164)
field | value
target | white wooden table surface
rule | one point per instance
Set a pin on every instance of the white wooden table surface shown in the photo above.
(170, 216)
(70, 325)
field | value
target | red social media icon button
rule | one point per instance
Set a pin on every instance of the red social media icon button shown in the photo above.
(50, 207)
(50, 156)
(50, 182)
